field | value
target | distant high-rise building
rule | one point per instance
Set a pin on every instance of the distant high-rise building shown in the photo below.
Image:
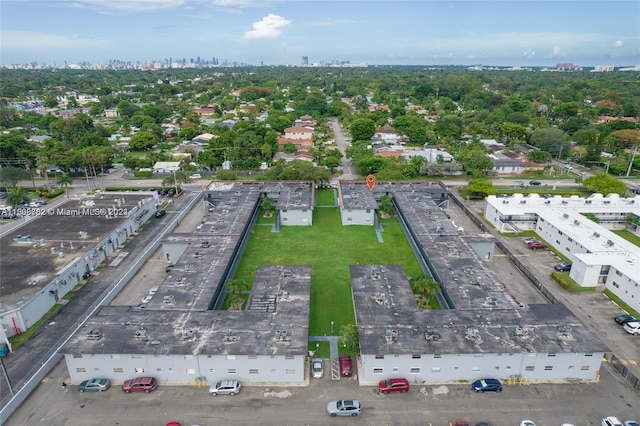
(564, 66)
(305, 61)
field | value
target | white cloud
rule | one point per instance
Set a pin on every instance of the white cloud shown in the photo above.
(618, 43)
(529, 53)
(557, 52)
(268, 27)
(38, 42)
(123, 7)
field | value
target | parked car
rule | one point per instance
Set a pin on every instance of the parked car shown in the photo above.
(534, 182)
(160, 213)
(147, 298)
(537, 245)
(611, 421)
(94, 385)
(344, 407)
(168, 268)
(563, 267)
(225, 387)
(317, 368)
(140, 384)
(527, 423)
(631, 423)
(345, 365)
(623, 319)
(195, 176)
(487, 385)
(530, 240)
(393, 385)
(153, 290)
(632, 327)
(462, 423)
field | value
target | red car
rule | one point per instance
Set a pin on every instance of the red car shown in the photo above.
(537, 245)
(345, 366)
(140, 384)
(393, 385)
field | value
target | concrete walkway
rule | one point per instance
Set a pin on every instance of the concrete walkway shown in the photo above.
(333, 344)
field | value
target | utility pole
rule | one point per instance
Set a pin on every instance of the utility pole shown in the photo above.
(633, 157)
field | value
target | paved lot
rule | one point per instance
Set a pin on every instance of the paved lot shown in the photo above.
(547, 405)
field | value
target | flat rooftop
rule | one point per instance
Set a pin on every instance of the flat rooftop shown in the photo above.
(390, 322)
(41, 248)
(275, 323)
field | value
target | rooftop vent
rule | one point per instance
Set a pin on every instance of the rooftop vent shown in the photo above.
(489, 300)
(188, 335)
(391, 335)
(565, 216)
(141, 334)
(576, 222)
(168, 300)
(473, 334)
(432, 333)
(587, 201)
(596, 235)
(94, 334)
(375, 274)
(610, 243)
(230, 336)
(523, 201)
(282, 336)
(564, 332)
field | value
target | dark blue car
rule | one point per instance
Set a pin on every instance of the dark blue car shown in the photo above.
(487, 385)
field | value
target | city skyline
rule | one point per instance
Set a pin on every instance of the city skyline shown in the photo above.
(495, 33)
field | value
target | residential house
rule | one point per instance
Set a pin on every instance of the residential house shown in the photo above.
(166, 167)
(503, 165)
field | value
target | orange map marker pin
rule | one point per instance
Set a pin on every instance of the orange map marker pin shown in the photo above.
(371, 181)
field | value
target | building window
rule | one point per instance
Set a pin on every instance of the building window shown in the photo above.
(139, 370)
(231, 357)
(508, 367)
(191, 371)
(548, 368)
(475, 369)
(416, 356)
(77, 356)
(115, 356)
(188, 357)
(253, 371)
(456, 368)
(81, 370)
(158, 369)
(289, 357)
(211, 371)
(170, 369)
(584, 368)
(396, 369)
(378, 370)
(415, 370)
(588, 354)
(616, 285)
(552, 355)
(136, 356)
(435, 370)
(349, 219)
(497, 367)
(96, 369)
(253, 356)
(437, 355)
(529, 368)
(232, 371)
(290, 371)
(118, 370)
(379, 356)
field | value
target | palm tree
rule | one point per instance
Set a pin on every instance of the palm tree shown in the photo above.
(65, 181)
(235, 302)
(237, 286)
(43, 167)
(17, 196)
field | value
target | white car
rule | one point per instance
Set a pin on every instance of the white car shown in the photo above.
(147, 298)
(195, 176)
(153, 290)
(611, 421)
(632, 327)
(527, 423)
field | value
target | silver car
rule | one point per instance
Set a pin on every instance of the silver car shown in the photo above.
(317, 368)
(344, 407)
(225, 387)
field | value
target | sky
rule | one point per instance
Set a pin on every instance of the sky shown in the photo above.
(390, 32)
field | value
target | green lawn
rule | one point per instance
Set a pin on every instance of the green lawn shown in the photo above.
(629, 236)
(329, 248)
